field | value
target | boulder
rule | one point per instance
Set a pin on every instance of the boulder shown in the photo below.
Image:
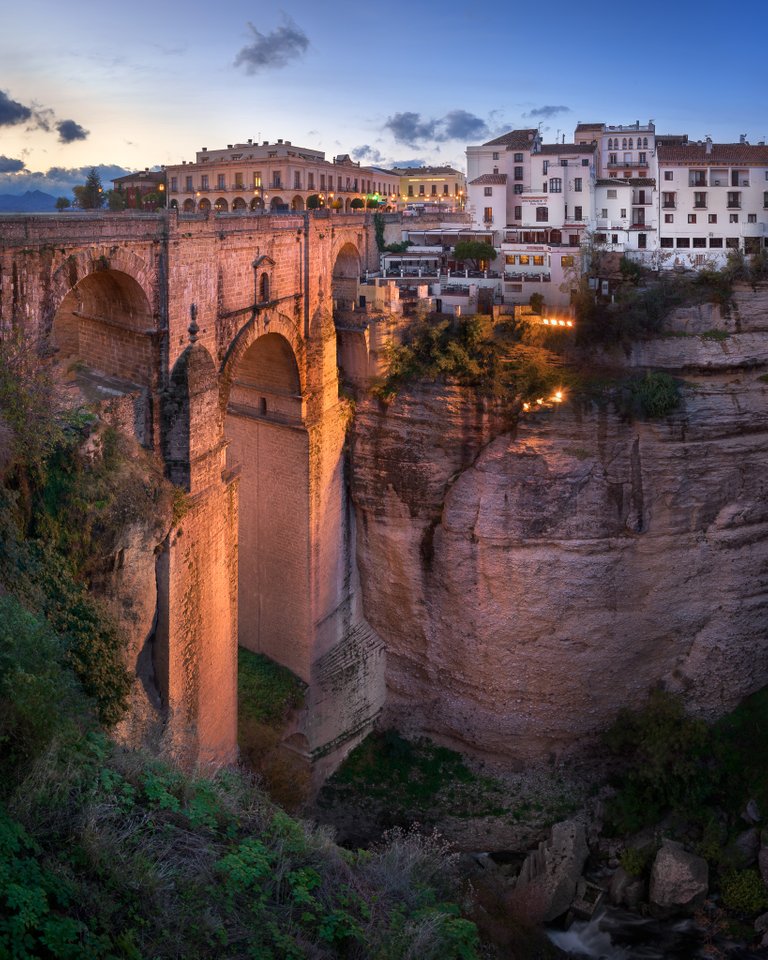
(679, 880)
(548, 878)
(762, 862)
(742, 853)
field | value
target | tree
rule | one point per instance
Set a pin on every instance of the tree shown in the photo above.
(313, 202)
(537, 303)
(63, 203)
(476, 252)
(357, 203)
(116, 199)
(91, 195)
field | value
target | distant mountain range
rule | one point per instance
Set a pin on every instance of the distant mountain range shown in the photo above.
(33, 201)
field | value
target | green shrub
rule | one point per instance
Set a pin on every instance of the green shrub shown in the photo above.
(655, 395)
(635, 861)
(744, 892)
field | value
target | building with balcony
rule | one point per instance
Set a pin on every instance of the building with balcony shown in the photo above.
(437, 188)
(506, 160)
(624, 151)
(713, 198)
(273, 176)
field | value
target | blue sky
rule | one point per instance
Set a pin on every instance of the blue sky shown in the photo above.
(149, 83)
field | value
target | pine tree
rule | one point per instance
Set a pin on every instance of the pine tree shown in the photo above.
(90, 196)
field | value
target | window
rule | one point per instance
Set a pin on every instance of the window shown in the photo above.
(669, 218)
(322, 181)
(624, 144)
(204, 182)
(642, 240)
(517, 188)
(538, 260)
(567, 261)
(434, 189)
(524, 259)
(623, 212)
(544, 187)
(238, 181)
(445, 189)
(733, 218)
(264, 288)
(545, 167)
(542, 214)
(700, 200)
(556, 185)
(487, 191)
(668, 200)
(699, 242)
(578, 213)
(488, 215)
(610, 143)
(518, 158)
(188, 184)
(495, 169)
(645, 141)
(751, 218)
(510, 258)
(276, 181)
(612, 194)
(220, 181)
(495, 156)
(564, 163)
(612, 157)
(669, 175)
(716, 242)
(691, 218)
(518, 213)
(421, 189)
(573, 240)
(697, 178)
(604, 213)
(765, 197)
(683, 242)
(174, 183)
(712, 218)
(614, 238)
(410, 189)
(643, 158)
(630, 143)
(734, 199)
(518, 173)
(310, 181)
(732, 243)
(585, 162)
(666, 242)
(577, 184)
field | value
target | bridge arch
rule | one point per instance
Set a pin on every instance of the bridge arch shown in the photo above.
(105, 322)
(268, 444)
(239, 204)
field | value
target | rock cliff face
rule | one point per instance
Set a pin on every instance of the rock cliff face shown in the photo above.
(531, 579)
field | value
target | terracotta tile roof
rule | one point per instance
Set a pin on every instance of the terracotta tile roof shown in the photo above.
(488, 178)
(514, 140)
(642, 181)
(722, 154)
(557, 148)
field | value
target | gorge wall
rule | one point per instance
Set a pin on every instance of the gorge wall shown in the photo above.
(531, 578)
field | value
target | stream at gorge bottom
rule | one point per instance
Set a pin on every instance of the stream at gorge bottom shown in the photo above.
(615, 934)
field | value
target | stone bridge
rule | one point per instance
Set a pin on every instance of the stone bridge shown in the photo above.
(220, 333)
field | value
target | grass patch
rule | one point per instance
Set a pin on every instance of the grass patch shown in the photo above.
(718, 335)
(266, 691)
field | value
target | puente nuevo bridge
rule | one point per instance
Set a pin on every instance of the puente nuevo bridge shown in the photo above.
(222, 337)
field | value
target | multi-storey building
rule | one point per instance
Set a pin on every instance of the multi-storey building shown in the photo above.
(624, 151)
(441, 188)
(274, 176)
(714, 198)
(498, 172)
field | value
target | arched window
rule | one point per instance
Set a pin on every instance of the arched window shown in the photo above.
(610, 143)
(630, 143)
(624, 144)
(264, 288)
(645, 141)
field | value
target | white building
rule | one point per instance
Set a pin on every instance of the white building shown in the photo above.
(713, 198)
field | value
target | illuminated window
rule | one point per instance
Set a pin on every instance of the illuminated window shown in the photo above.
(567, 261)
(488, 215)
(538, 260)
(510, 258)
(525, 259)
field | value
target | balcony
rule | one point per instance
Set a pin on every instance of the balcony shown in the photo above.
(669, 206)
(734, 205)
(699, 206)
(642, 202)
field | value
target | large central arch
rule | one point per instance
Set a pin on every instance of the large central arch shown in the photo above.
(269, 445)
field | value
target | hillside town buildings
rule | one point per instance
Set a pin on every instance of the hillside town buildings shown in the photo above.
(432, 188)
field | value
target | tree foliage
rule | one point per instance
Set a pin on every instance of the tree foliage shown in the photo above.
(63, 203)
(90, 196)
(474, 252)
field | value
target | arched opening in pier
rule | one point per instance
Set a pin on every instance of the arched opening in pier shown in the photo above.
(269, 445)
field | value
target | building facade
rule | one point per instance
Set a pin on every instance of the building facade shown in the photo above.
(274, 176)
(437, 188)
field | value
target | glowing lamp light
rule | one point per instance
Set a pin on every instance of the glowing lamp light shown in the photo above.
(526, 407)
(557, 396)
(569, 323)
(540, 401)
(545, 322)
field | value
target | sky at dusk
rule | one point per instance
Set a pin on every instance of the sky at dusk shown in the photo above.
(137, 85)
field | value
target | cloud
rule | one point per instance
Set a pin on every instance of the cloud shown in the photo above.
(9, 165)
(11, 111)
(461, 125)
(273, 50)
(401, 164)
(367, 153)
(413, 130)
(70, 131)
(57, 180)
(547, 111)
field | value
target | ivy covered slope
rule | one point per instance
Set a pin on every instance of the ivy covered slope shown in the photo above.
(110, 853)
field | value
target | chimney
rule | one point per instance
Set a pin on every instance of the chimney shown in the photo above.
(250, 140)
(708, 145)
(743, 138)
(265, 143)
(279, 140)
(287, 143)
(203, 149)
